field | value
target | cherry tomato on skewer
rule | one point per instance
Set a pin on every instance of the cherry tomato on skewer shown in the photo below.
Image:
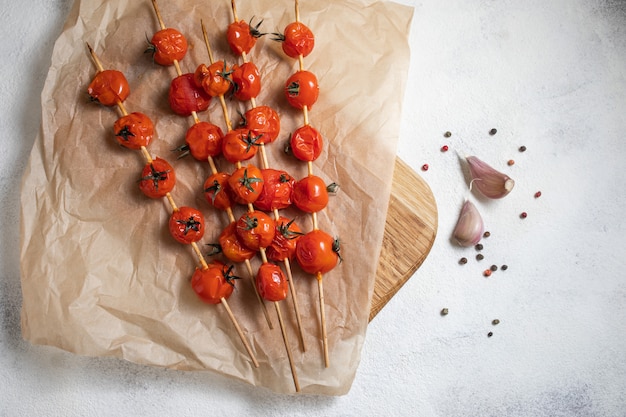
(241, 36)
(297, 39)
(214, 79)
(232, 247)
(256, 229)
(271, 282)
(246, 184)
(186, 225)
(216, 191)
(186, 97)
(306, 143)
(262, 121)
(302, 89)
(310, 194)
(213, 283)
(204, 140)
(285, 240)
(317, 252)
(157, 178)
(167, 45)
(277, 190)
(246, 80)
(109, 87)
(133, 130)
(239, 145)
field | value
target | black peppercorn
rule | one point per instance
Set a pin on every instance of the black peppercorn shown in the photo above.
(493, 131)
(463, 261)
(480, 257)
(504, 267)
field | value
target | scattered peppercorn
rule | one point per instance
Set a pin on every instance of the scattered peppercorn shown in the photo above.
(444, 312)
(463, 261)
(489, 334)
(486, 234)
(493, 131)
(425, 167)
(447, 134)
(522, 148)
(487, 272)
(480, 257)
(495, 322)
(504, 267)
(444, 148)
(494, 268)
(510, 162)
(479, 246)
(538, 194)
(523, 215)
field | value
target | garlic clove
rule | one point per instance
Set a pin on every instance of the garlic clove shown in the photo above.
(470, 227)
(490, 182)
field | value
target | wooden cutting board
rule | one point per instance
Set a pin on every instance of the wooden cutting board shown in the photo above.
(410, 231)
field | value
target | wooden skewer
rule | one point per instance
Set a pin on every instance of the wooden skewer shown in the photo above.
(264, 259)
(174, 208)
(265, 165)
(305, 113)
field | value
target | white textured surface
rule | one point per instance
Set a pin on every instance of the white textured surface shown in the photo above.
(548, 75)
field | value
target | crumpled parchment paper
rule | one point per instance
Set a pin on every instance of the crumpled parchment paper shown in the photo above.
(100, 274)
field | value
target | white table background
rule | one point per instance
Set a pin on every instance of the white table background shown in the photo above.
(549, 75)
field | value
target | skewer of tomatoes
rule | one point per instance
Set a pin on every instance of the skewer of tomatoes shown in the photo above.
(186, 224)
(255, 229)
(204, 140)
(264, 123)
(316, 252)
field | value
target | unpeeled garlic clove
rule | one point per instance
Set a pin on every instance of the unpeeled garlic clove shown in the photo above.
(490, 182)
(470, 227)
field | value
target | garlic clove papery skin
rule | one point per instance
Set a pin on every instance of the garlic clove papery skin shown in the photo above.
(490, 182)
(470, 227)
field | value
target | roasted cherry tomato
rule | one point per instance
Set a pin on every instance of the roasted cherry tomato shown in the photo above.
(133, 130)
(232, 247)
(262, 121)
(277, 189)
(310, 194)
(157, 178)
(256, 229)
(167, 45)
(285, 239)
(186, 97)
(214, 79)
(239, 145)
(317, 252)
(204, 140)
(241, 36)
(109, 87)
(306, 143)
(246, 184)
(187, 225)
(216, 191)
(271, 283)
(301, 89)
(297, 40)
(214, 282)
(247, 81)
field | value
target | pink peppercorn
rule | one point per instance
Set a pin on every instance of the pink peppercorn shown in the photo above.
(425, 167)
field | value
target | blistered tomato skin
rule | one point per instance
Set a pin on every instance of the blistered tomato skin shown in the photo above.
(231, 245)
(186, 225)
(239, 145)
(297, 40)
(133, 130)
(241, 36)
(306, 143)
(263, 122)
(213, 283)
(285, 240)
(310, 194)
(168, 45)
(247, 81)
(302, 89)
(277, 190)
(204, 140)
(271, 282)
(216, 191)
(317, 252)
(186, 97)
(109, 87)
(157, 178)
(256, 230)
(246, 184)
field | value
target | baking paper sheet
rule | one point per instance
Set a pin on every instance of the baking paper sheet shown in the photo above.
(100, 274)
